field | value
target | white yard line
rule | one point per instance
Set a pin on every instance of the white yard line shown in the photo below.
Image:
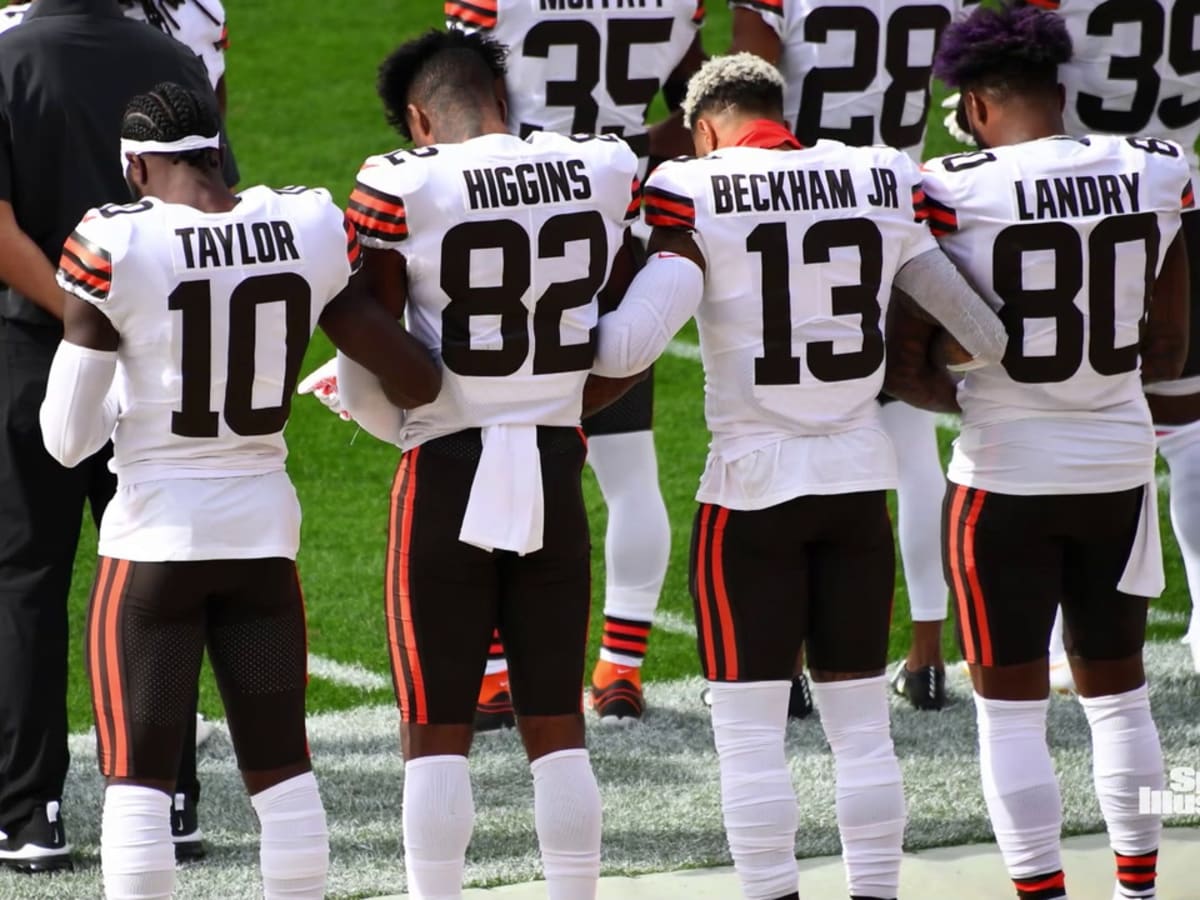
(345, 674)
(1157, 616)
(674, 623)
(684, 350)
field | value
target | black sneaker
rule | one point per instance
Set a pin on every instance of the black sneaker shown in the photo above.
(800, 705)
(39, 844)
(925, 688)
(185, 830)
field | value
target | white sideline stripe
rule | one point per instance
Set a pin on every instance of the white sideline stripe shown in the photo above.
(684, 350)
(345, 674)
(674, 623)
(1158, 616)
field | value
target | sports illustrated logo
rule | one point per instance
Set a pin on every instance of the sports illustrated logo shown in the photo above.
(1181, 797)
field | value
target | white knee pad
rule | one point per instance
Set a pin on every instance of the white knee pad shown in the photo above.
(919, 505)
(1019, 784)
(567, 815)
(870, 791)
(137, 856)
(1126, 756)
(439, 817)
(637, 544)
(294, 855)
(757, 798)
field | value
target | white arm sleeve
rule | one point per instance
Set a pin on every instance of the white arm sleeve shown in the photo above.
(663, 296)
(79, 413)
(936, 285)
(362, 396)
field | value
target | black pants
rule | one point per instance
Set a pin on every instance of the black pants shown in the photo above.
(817, 570)
(41, 505)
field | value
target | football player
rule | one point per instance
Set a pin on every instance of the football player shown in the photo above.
(199, 24)
(596, 70)
(1076, 241)
(495, 248)
(787, 258)
(197, 306)
(858, 71)
(12, 15)
(1132, 74)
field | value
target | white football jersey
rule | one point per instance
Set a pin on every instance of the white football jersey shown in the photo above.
(12, 15)
(857, 71)
(801, 248)
(1064, 237)
(1134, 69)
(507, 242)
(584, 66)
(198, 25)
(215, 311)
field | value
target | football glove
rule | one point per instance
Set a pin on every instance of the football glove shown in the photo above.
(951, 121)
(322, 384)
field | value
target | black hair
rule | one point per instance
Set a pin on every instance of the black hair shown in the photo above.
(153, 12)
(1014, 48)
(446, 71)
(169, 112)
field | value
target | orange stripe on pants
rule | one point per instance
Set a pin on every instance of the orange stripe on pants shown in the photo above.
(95, 667)
(391, 593)
(723, 609)
(960, 591)
(710, 654)
(405, 597)
(981, 622)
(112, 624)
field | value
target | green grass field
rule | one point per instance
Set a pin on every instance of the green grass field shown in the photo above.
(303, 111)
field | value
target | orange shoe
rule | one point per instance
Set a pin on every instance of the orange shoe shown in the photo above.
(494, 710)
(616, 693)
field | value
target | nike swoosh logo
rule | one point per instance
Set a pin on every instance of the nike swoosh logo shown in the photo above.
(623, 670)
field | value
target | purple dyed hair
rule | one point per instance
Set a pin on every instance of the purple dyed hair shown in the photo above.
(1002, 45)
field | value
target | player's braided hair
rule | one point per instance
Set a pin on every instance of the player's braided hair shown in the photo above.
(446, 69)
(152, 12)
(170, 112)
(1013, 47)
(742, 80)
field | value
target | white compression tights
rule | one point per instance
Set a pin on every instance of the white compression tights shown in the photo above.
(637, 544)
(922, 485)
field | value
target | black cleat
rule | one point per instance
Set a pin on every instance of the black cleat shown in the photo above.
(800, 702)
(924, 689)
(185, 830)
(39, 844)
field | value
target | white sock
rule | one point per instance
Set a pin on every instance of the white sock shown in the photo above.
(1019, 784)
(1126, 756)
(294, 855)
(919, 503)
(567, 814)
(637, 544)
(137, 857)
(757, 798)
(439, 816)
(870, 790)
(1181, 450)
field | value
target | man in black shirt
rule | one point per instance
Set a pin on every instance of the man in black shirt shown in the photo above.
(66, 74)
